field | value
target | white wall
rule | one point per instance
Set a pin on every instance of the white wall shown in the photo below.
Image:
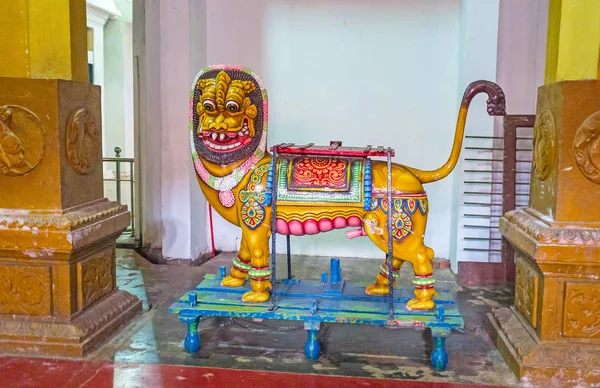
(118, 88)
(384, 73)
(166, 46)
(477, 60)
(521, 35)
(389, 73)
(522, 53)
(147, 123)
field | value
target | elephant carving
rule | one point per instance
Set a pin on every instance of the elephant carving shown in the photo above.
(314, 193)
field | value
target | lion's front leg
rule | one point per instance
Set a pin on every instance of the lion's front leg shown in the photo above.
(260, 274)
(239, 269)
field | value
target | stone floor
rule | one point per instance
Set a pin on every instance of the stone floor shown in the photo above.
(350, 350)
(359, 351)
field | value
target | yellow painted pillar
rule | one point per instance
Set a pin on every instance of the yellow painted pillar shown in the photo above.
(573, 43)
(44, 39)
(58, 289)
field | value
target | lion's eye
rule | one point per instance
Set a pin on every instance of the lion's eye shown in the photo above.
(232, 106)
(209, 105)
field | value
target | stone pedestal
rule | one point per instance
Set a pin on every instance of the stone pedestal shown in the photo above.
(58, 292)
(551, 336)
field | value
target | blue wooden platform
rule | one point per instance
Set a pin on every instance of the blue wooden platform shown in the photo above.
(316, 302)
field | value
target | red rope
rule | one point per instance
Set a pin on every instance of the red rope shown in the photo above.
(212, 233)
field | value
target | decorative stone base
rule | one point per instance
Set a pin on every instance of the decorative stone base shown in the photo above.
(551, 336)
(542, 363)
(58, 294)
(72, 339)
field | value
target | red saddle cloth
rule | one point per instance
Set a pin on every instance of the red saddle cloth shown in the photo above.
(314, 173)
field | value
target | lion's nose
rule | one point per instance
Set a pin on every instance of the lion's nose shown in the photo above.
(220, 124)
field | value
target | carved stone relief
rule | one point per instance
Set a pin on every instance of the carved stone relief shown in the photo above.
(96, 277)
(25, 290)
(22, 140)
(71, 220)
(85, 324)
(586, 148)
(541, 232)
(582, 310)
(526, 288)
(83, 144)
(543, 144)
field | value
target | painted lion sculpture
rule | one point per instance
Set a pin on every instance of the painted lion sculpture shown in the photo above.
(228, 133)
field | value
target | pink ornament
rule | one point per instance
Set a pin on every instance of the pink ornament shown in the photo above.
(282, 227)
(340, 222)
(265, 111)
(227, 67)
(354, 221)
(311, 227)
(249, 163)
(325, 225)
(226, 198)
(201, 170)
(296, 228)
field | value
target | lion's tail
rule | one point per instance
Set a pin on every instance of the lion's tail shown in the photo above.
(496, 106)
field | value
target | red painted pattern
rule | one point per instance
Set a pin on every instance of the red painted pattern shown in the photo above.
(29, 373)
(318, 173)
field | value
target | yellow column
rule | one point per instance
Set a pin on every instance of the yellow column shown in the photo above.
(44, 39)
(58, 287)
(573, 45)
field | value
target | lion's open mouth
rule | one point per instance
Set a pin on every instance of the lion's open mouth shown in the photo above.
(227, 141)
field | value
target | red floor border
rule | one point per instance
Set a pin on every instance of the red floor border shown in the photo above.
(34, 372)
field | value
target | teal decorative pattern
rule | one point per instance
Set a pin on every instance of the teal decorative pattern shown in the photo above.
(253, 197)
(408, 205)
(403, 208)
(253, 213)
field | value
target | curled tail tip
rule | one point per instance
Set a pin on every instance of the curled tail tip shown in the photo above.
(496, 102)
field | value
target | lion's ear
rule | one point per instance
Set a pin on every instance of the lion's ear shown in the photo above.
(199, 108)
(203, 83)
(251, 111)
(248, 86)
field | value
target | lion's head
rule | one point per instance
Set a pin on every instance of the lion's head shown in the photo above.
(228, 114)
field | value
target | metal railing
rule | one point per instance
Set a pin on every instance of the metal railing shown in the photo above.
(497, 179)
(119, 184)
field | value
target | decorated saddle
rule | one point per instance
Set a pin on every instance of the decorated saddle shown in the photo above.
(309, 179)
(327, 176)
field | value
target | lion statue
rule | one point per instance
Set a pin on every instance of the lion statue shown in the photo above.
(314, 193)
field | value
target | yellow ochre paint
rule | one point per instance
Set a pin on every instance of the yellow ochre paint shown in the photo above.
(573, 42)
(44, 39)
